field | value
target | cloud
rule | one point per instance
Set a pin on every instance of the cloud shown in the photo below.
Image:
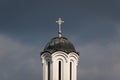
(100, 61)
(18, 60)
(97, 60)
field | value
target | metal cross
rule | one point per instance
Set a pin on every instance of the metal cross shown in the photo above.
(59, 23)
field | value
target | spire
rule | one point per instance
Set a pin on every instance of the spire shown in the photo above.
(59, 24)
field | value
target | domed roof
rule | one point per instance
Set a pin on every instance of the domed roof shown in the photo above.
(59, 44)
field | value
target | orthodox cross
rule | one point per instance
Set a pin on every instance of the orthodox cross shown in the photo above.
(59, 23)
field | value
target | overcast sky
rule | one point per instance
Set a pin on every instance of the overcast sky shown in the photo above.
(93, 26)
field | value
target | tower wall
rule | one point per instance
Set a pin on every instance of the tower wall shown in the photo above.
(60, 63)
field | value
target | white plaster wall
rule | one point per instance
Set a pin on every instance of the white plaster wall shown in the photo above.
(65, 59)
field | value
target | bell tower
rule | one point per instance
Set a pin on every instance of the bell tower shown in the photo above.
(59, 58)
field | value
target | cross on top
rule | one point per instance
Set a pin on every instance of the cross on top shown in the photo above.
(59, 23)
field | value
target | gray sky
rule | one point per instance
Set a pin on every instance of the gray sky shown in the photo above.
(91, 25)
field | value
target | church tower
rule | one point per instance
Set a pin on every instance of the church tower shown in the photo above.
(59, 58)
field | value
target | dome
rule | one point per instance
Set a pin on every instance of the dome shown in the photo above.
(59, 44)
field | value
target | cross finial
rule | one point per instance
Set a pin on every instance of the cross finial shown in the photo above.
(59, 23)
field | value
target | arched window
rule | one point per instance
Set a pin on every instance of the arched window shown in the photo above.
(70, 70)
(59, 70)
(48, 70)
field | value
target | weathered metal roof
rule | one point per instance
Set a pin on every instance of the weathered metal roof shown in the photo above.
(59, 44)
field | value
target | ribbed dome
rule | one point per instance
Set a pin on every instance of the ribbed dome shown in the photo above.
(59, 44)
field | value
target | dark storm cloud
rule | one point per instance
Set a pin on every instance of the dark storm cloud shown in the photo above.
(90, 24)
(29, 12)
(33, 18)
